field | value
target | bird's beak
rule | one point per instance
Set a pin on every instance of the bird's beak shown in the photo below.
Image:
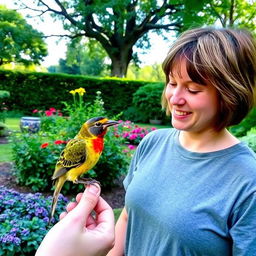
(109, 123)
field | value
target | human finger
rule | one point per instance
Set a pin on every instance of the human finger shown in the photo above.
(62, 215)
(71, 206)
(87, 203)
(105, 215)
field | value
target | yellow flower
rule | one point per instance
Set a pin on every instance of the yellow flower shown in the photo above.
(81, 91)
(72, 92)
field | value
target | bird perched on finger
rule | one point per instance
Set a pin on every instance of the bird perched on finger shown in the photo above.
(80, 155)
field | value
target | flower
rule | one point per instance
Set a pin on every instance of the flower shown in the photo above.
(81, 91)
(35, 111)
(44, 145)
(57, 142)
(48, 113)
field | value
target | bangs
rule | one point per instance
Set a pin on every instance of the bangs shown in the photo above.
(195, 68)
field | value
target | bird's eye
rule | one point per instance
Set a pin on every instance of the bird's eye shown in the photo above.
(98, 124)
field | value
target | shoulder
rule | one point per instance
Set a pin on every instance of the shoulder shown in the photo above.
(157, 138)
(159, 134)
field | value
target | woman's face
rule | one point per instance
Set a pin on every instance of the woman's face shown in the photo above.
(193, 107)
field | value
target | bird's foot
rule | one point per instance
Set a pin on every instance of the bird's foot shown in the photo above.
(86, 181)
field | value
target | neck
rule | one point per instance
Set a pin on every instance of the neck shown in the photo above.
(207, 141)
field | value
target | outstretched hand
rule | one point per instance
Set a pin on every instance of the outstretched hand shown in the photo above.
(79, 232)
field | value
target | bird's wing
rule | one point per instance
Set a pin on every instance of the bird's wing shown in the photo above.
(73, 155)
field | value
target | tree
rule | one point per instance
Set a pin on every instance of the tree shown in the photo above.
(19, 42)
(230, 13)
(83, 58)
(116, 24)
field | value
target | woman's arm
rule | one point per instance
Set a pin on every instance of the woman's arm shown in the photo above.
(120, 235)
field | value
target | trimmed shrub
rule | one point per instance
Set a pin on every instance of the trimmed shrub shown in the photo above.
(40, 90)
(147, 99)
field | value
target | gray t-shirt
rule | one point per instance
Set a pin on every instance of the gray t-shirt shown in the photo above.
(186, 203)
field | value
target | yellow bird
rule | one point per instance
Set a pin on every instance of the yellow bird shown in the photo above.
(80, 155)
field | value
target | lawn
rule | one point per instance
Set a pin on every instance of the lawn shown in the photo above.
(5, 149)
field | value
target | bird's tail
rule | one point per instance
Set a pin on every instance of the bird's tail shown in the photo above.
(58, 186)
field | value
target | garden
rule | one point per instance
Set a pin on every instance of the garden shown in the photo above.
(29, 154)
(28, 157)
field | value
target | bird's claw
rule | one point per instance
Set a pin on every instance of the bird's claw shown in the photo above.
(86, 181)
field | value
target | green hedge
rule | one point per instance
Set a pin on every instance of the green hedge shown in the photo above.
(43, 90)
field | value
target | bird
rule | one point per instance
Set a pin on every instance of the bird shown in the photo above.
(79, 156)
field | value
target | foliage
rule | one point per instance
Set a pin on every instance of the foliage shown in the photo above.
(237, 13)
(3, 129)
(242, 128)
(41, 90)
(83, 58)
(3, 109)
(152, 73)
(116, 25)
(40, 151)
(131, 133)
(250, 139)
(24, 220)
(148, 100)
(19, 41)
(35, 157)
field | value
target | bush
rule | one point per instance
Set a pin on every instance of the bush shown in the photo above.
(3, 109)
(4, 131)
(24, 221)
(148, 101)
(32, 90)
(250, 139)
(245, 126)
(35, 155)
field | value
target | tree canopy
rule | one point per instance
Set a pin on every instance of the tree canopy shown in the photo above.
(119, 25)
(116, 24)
(19, 42)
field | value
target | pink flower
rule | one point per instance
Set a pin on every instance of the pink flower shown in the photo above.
(35, 111)
(131, 147)
(48, 113)
(133, 137)
(44, 145)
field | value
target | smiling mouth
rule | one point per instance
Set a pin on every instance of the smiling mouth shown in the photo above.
(181, 113)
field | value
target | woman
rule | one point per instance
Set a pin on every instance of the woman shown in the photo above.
(191, 190)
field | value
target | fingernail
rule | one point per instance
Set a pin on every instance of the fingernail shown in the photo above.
(94, 189)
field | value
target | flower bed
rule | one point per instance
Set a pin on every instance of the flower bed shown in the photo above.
(24, 221)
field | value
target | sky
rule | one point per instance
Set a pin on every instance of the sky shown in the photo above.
(57, 48)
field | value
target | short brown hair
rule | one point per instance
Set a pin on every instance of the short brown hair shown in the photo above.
(225, 58)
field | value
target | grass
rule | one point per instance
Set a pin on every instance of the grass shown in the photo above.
(13, 123)
(5, 149)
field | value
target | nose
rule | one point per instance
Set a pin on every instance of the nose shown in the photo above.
(177, 97)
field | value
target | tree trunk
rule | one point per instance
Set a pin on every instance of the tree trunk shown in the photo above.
(120, 60)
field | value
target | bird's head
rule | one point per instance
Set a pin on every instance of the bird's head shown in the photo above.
(96, 127)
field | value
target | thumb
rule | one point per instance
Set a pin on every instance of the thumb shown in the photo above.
(87, 203)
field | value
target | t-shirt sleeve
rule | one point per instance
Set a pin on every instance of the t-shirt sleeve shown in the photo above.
(243, 230)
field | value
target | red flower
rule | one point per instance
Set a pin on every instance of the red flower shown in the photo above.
(45, 145)
(52, 109)
(48, 113)
(35, 111)
(57, 142)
